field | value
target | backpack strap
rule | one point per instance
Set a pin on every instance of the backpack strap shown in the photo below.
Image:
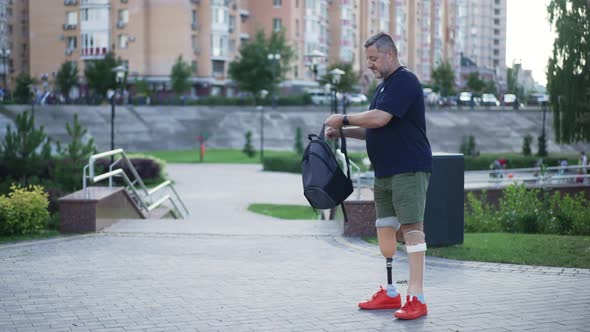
(343, 149)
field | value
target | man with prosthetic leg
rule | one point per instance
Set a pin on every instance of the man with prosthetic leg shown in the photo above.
(394, 128)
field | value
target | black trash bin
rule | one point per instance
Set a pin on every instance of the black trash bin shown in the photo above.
(443, 217)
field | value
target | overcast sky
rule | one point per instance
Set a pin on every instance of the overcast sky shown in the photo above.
(529, 37)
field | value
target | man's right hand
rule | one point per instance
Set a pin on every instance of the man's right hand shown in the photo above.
(332, 133)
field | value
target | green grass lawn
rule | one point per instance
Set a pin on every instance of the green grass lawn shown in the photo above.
(18, 238)
(224, 156)
(529, 249)
(292, 212)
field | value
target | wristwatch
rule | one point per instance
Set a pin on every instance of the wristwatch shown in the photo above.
(345, 121)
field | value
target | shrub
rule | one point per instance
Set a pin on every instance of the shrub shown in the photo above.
(291, 164)
(526, 145)
(248, 148)
(299, 141)
(468, 146)
(480, 218)
(24, 211)
(26, 151)
(519, 209)
(68, 172)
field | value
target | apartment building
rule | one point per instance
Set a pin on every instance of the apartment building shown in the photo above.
(14, 42)
(149, 35)
(483, 34)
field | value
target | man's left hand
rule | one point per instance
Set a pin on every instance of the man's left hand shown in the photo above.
(334, 121)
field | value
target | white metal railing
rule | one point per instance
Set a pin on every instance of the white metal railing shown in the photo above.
(535, 175)
(144, 196)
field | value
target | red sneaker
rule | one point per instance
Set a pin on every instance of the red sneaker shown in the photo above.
(412, 309)
(381, 300)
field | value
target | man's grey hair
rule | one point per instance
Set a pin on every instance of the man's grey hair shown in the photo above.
(382, 41)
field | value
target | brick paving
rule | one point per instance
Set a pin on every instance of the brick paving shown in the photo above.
(261, 274)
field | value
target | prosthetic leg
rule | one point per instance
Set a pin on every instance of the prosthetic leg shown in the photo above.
(386, 298)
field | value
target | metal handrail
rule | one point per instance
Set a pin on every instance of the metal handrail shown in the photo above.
(145, 202)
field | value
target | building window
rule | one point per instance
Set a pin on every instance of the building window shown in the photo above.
(194, 42)
(497, 11)
(84, 15)
(276, 24)
(123, 41)
(496, 31)
(195, 17)
(277, 3)
(295, 71)
(496, 42)
(72, 42)
(497, 2)
(496, 63)
(72, 18)
(194, 66)
(232, 45)
(496, 52)
(218, 67)
(124, 16)
(496, 21)
(297, 27)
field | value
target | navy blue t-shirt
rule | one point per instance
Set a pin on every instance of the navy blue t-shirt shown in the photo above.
(401, 146)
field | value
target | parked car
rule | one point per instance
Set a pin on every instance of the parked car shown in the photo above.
(448, 101)
(356, 98)
(489, 99)
(320, 97)
(465, 99)
(509, 99)
(537, 98)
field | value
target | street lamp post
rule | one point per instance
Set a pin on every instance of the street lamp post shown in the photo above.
(315, 56)
(273, 58)
(336, 75)
(111, 94)
(263, 94)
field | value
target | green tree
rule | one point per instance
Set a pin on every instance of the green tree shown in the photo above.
(100, 76)
(22, 92)
(248, 148)
(66, 78)
(475, 83)
(542, 140)
(68, 172)
(299, 141)
(142, 87)
(568, 72)
(443, 77)
(253, 71)
(490, 87)
(179, 76)
(347, 81)
(526, 145)
(25, 150)
(512, 81)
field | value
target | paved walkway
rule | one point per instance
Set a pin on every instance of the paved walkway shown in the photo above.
(226, 269)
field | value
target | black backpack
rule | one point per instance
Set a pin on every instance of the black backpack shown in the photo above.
(324, 184)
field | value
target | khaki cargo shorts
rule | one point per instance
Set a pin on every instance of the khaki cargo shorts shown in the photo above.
(401, 199)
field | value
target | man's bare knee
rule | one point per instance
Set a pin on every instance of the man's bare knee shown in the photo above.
(413, 234)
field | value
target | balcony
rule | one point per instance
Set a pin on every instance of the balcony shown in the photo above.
(70, 2)
(121, 24)
(124, 1)
(195, 26)
(244, 12)
(197, 51)
(94, 52)
(196, 2)
(69, 51)
(70, 26)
